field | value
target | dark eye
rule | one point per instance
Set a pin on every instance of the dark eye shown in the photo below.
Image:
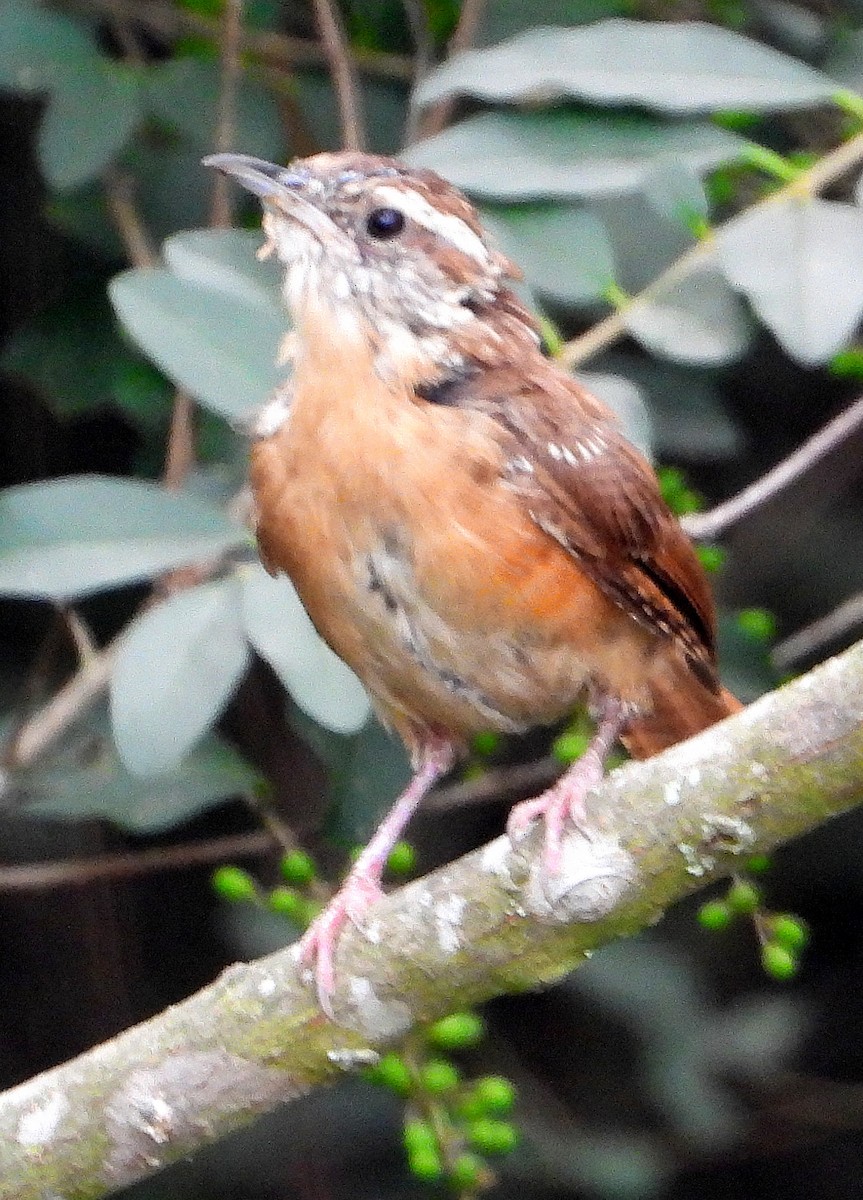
(385, 223)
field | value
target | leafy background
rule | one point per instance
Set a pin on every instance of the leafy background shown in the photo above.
(160, 693)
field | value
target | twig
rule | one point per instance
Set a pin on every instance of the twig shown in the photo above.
(708, 526)
(337, 51)
(808, 183)
(79, 631)
(284, 837)
(273, 49)
(423, 48)
(502, 784)
(82, 872)
(814, 638)
(124, 213)
(490, 923)
(226, 123)
(462, 39)
(180, 454)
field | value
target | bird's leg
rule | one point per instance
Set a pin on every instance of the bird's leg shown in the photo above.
(564, 801)
(362, 887)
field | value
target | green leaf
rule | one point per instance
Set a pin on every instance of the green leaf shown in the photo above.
(384, 105)
(566, 153)
(377, 771)
(504, 18)
(845, 61)
(746, 665)
(184, 93)
(676, 67)
(687, 414)
(625, 399)
(72, 537)
(219, 349)
(280, 630)
(800, 264)
(563, 250)
(91, 115)
(176, 669)
(696, 320)
(85, 780)
(224, 260)
(674, 191)
(39, 48)
(74, 356)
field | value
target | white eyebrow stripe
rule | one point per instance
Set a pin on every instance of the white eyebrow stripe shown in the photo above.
(446, 225)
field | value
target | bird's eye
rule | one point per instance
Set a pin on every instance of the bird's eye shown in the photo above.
(383, 223)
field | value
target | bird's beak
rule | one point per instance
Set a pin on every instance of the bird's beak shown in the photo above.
(279, 189)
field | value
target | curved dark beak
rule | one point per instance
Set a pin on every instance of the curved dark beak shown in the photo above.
(265, 179)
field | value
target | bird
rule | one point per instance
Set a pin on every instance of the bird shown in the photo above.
(467, 526)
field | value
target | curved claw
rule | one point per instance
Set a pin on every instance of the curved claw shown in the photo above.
(317, 946)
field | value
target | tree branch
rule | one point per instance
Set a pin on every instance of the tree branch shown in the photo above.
(487, 924)
(809, 183)
(337, 51)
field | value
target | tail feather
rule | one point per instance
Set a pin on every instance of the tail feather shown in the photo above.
(682, 707)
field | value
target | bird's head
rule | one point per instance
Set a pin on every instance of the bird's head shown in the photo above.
(379, 246)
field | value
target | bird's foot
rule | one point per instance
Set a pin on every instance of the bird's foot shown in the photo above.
(317, 947)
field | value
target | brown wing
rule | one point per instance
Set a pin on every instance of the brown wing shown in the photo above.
(587, 487)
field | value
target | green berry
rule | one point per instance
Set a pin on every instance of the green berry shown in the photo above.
(426, 1165)
(287, 903)
(234, 884)
(402, 859)
(569, 747)
(457, 1031)
(712, 558)
(495, 1093)
(715, 915)
(757, 623)
(492, 1137)
(848, 363)
(298, 868)
(789, 931)
(467, 1172)
(759, 863)
(743, 897)
(486, 744)
(391, 1072)
(779, 962)
(439, 1075)
(419, 1137)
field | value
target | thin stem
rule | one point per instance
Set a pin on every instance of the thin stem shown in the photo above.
(706, 527)
(226, 123)
(121, 205)
(808, 183)
(180, 454)
(438, 116)
(84, 871)
(337, 52)
(423, 50)
(812, 639)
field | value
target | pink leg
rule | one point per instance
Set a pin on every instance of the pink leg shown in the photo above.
(362, 888)
(565, 800)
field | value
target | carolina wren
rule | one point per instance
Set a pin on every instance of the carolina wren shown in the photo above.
(466, 525)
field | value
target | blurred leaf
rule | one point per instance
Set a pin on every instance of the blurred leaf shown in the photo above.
(39, 48)
(376, 773)
(566, 153)
(92, 114)
(689, 420)
(563, 250)
(173, 190)
(384, 106)
(625, 399)
(845, 61)
(674, 191)
(280, 630)
(644, 243)
(696, 320)
(220, 350)
(684, 67)
(184, 93)
(800, 264)
(177, 667)
(797, 29)
(86, 779)
(141, 392)
(73, 537)
(225, 260)
(746, 667)
(71, 353)
(504, 18)
(82, 215)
